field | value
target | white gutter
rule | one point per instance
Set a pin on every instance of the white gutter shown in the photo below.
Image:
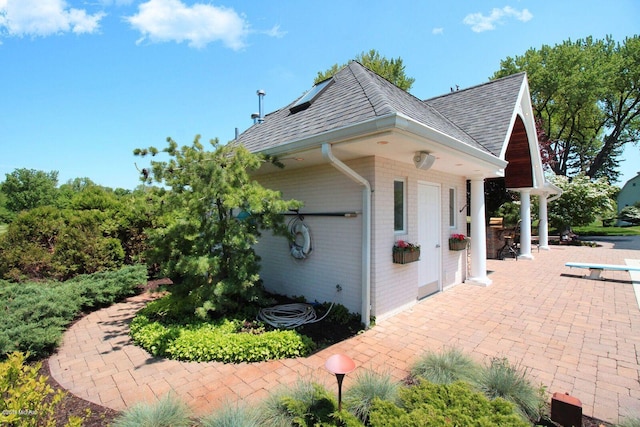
(391, 121)
(327, 154)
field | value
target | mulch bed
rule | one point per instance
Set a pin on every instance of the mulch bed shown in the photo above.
(94, 415)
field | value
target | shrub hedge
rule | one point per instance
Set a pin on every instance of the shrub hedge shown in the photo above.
(456, 404)
(36, 314)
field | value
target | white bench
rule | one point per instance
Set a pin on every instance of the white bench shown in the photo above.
(596, 269)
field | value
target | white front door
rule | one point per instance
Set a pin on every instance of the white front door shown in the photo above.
(429, 266)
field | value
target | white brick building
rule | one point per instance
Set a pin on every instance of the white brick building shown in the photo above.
(375, 165)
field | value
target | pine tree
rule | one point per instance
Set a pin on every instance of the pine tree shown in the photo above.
(210, 219)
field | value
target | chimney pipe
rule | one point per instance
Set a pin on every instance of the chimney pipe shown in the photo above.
(261, 93)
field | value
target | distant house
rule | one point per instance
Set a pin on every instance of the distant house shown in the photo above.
(375, 165)
(629, 195)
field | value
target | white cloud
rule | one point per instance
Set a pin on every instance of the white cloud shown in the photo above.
(44, 18)
(115, 2)
(480, 22)
(200, 24)
(275, 32)
(437, 31)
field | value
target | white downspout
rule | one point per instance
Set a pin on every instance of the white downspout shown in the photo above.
(366, 229)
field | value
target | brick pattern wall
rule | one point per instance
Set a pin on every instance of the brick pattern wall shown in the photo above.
(394, 285)
(336, 241)
(336, 256)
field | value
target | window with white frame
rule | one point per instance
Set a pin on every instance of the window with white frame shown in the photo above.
(452, 208)
(399, 206)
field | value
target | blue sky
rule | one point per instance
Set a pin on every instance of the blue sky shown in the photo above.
(85, 82)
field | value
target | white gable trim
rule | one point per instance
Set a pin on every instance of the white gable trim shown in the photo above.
(524, 110)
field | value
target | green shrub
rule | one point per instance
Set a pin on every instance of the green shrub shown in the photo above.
(436, 405)
(630, 214)
(25, 397)
(233, 415)
(169, 411)
(91, 229)
(305, 403)
(105, 288)
(367, 386)
(221, 340)
(339, 314)
(36, 314)
(629, 422)
(446, 367)
(503, 380)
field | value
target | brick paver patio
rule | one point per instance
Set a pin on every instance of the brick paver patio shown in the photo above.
(573, 334)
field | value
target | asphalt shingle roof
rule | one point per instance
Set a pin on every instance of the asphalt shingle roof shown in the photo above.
(483, 111)
(478, 116)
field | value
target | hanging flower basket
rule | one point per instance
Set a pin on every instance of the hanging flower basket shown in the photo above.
(404, 252)
(458, 242)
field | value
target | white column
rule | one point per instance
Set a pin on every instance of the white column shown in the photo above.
(543, 226)
(478, 235)
(525, 225)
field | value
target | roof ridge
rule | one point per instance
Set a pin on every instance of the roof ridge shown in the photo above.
(370, 73)
(510, 76)
(365, 73)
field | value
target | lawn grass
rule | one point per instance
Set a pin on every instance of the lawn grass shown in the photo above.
(3, 228)
(598, 230)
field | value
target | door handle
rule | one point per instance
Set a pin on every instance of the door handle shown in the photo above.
(438, 245)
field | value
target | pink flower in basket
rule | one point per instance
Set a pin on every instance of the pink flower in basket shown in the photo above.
(460, 237)
(402, 245)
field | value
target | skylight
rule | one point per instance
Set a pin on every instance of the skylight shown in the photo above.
(311, 95)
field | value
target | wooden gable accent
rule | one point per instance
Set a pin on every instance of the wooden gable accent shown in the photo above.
(519, 171)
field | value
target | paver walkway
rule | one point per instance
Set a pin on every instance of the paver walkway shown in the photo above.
(574, 335)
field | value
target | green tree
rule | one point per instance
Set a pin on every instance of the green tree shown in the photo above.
(586, 96)
(200, 240)
(631, 214)
(6, 216)
(29, 188)
(390, 69)
(582, 201)
(69, 189)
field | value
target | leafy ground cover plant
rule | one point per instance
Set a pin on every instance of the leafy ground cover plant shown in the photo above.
(222, 340)
(456, 404)
(168, 327)
(38, 313)
(446, 367)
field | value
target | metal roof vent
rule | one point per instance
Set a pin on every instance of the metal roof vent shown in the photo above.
(259, 116)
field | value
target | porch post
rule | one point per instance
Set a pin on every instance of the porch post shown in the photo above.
(543, 226)
(478, 235)
(525, 224)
